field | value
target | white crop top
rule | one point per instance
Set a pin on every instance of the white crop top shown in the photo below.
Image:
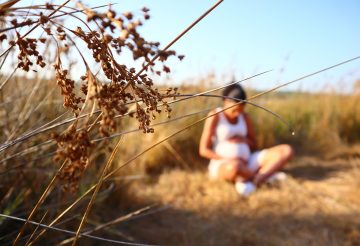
(225, 130)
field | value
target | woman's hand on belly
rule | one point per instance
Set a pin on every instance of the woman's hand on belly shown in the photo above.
(240, 160)
(242, 168)
(237, 139)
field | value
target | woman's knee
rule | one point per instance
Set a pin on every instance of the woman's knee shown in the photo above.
(287, 151)
(281, 153)
(228, 171)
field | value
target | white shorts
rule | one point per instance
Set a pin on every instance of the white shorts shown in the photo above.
(253, 163)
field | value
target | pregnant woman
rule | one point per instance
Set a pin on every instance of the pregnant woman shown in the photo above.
(228, 141)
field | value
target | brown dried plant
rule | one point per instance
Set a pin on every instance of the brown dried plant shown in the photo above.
(105, 34)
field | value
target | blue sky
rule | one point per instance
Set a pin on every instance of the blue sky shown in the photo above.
(241, 38)
(293, 38)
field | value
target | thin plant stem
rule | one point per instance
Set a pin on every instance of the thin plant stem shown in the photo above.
(177, 38)
(37, 227)
(71, 232)
(35, 132)
(40, 201)
(8, 78)
(101, 179)
(304, 77)
(62, 222)
(65, 212)
(118, 220)
(26, 151)
(137, 156)
(53, 17)
(30, 111)
(36, 26)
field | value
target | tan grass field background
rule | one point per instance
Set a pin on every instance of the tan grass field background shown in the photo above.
(317, 205)
(73, 161)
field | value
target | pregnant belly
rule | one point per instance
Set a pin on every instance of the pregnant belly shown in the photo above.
(233, 150)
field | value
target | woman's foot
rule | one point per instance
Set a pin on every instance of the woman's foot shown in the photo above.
(245, 188)
(264, 178)
(276, 177)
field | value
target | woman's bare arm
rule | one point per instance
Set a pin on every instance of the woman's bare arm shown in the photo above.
(251, 139)
(206, 144)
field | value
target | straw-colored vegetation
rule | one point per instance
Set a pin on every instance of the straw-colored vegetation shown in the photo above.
(318, 205)
(71, 148)
(324, 124)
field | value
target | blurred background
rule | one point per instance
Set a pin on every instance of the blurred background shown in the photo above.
(164, 196)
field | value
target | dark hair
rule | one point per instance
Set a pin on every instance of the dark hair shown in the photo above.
(234, 91)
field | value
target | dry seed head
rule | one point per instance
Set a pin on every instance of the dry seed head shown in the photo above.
(3, 37)
(43, 19)
(110, 14)
(74, 148)
(49, 6)
(128, 15)
(124, 84)
(67, 86)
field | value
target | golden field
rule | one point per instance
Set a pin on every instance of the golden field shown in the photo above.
(317, 205)
(94, 152)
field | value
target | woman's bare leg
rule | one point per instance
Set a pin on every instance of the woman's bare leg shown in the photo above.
(274, 159)
(231, 169)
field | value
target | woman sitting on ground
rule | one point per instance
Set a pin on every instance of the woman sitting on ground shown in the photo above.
(229, 141)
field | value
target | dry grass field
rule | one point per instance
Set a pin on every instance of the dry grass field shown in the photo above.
(319, 204)
(96, 160)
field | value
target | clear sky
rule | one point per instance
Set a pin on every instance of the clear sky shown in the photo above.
(291, 37)
(241, 38)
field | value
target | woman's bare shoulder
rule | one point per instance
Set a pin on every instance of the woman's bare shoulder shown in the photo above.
(247, 117)
(212, 116)
(213, 112)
